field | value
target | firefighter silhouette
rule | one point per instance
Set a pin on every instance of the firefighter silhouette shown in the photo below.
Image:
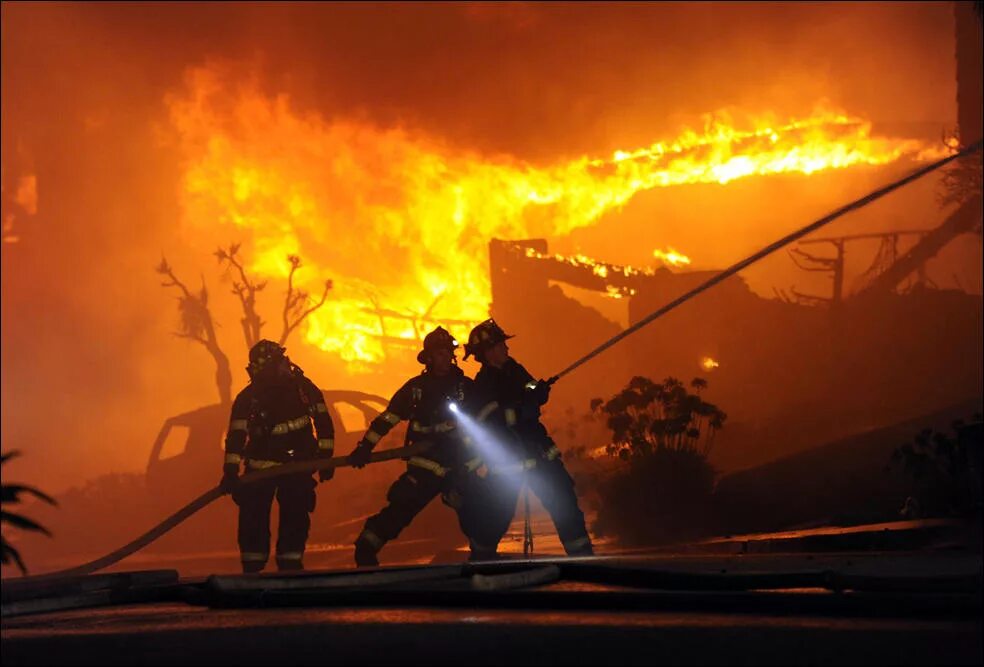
(271, 424)
(446, 466)
(511, 399)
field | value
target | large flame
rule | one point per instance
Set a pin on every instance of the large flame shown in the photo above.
(401, 221)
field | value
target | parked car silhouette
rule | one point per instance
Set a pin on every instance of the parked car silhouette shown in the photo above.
(199, 464)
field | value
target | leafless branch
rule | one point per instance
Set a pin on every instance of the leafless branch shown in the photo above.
(165, 269)
(810, 299)
(295, 299)
(197, 325)
(245, 289)
(825, 263)
(781, 295)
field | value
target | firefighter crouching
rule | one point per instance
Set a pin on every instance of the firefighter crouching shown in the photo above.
(445, 467)
(271, 425)
(512, 399)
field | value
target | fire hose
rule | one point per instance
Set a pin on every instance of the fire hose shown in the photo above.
(405, 452)
(209, 496)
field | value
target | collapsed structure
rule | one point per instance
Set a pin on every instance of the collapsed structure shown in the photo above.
(792, 374)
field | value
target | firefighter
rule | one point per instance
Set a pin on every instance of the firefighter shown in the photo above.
(271, 425)
(513, 398)
(446, 466)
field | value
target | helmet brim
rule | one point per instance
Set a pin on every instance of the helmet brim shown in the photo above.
(422, 355)
(475, 349)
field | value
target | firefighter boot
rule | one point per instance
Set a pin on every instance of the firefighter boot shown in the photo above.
(481, 552)
(365, 551)
(289, 563)
(252, 566)
(587, 550)
(579, 547)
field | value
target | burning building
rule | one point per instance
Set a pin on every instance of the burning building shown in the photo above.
(390, 159)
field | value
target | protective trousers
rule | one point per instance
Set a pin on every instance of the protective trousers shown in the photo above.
(553, 485)
(407, 497)
(296, 497)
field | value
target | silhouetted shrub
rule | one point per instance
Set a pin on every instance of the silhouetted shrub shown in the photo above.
(663, 434)
(661, 496)
(945, 471)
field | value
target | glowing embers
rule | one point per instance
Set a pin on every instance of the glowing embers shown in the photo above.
(23, 200)
(708, 363)
(614, 275)
(671, 257)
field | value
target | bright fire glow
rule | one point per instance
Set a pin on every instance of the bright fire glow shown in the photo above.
(708, 364)
(671, 257)
(601, 269)
(401, 221)
(25, 196)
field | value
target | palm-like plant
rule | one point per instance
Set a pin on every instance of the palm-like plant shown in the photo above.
(11, 494)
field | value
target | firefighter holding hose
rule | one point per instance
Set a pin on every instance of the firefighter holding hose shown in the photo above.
(510, 396)
(446, 467)
(271, 425)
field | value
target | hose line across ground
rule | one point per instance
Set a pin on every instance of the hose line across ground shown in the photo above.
(207, 498)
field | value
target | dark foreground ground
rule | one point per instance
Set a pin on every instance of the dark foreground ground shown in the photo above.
(685, 608)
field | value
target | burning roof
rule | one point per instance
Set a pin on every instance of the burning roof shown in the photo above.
(401, 221)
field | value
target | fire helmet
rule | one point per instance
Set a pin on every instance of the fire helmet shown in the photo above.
(438, 339)
(484, 336)
(262, 355)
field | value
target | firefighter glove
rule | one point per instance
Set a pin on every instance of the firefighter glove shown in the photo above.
(360, 455)
(540, 392)
(230, 477)
(324, 474)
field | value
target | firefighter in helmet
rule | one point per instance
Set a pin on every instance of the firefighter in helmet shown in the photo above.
(271, 424)
(447, 464)
(512, 399)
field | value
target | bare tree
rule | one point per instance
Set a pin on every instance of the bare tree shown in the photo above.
(815, 263)
(196, 319)
(296, 299)
(197, 325)
(246, 290)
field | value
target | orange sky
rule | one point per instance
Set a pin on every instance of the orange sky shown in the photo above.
(89, 366)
